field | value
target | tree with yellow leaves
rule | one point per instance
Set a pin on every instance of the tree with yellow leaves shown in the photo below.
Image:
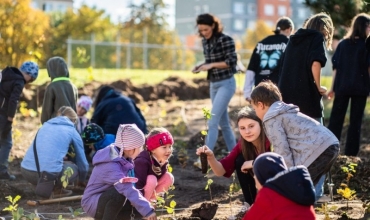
(253, 36)
(22, 32)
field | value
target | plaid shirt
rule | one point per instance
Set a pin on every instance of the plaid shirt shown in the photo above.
(220, 49)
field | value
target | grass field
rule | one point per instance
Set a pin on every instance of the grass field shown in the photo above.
(81, 76)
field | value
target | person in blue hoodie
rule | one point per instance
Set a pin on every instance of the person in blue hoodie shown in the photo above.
(52, 144)
(111, 187)
(112, 108)
(13, 81)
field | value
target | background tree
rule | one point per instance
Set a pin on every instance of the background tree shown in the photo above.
(253, 36)
(80, 24)
(22, 32)
(341, 11)
(147, 24)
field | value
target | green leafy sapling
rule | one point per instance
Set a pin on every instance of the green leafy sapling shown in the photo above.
(346, 192)
(233, 188)
(65, 177)
(203, 156)
(18, 213)
(209, 182)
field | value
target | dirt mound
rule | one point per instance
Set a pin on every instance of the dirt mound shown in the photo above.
(172, 88)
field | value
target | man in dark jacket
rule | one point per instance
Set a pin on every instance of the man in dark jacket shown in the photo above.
(11, 86)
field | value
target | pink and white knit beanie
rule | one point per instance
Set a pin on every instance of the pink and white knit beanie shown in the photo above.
(85, 102)
(129, 137)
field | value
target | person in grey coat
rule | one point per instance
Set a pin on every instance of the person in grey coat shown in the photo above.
(301, 140)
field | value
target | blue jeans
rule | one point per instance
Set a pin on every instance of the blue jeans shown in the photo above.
(5, 146)
(319, 187)
(221, 93)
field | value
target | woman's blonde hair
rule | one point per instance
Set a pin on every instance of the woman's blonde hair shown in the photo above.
(68, 112)
(322, 22)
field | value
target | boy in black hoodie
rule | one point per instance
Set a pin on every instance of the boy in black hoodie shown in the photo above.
(12, 83)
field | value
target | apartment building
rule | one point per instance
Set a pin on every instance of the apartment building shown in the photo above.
(52, 5)
(236, 15)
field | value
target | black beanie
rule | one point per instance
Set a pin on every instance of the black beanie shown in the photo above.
(267, 165)
(92, 133)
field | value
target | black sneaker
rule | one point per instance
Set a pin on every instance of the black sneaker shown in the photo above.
(6, 176)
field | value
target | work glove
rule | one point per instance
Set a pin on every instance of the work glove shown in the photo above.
(6, 129)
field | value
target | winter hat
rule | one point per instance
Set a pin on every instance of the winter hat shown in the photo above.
(31, 68)
(92, 133)
(267, 165)
(129, 137)
(158, 140)
(85, 102)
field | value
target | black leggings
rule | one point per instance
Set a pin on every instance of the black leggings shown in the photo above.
(110, 206)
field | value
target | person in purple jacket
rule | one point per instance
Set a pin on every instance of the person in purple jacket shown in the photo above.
(151, 164)
(111, 184)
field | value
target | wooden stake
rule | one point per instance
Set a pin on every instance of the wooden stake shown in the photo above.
(49, 201)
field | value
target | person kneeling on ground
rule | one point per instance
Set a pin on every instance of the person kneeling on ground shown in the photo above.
(283, 193)
(52, 143)
(111, 188)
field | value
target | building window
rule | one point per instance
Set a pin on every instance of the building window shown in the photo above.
(238, 8)
(47, 7)
(238, 24)
(269, 10)
(34, 5)
(251, 25)
(282, 11)
(301, 13)
(270, 23)
(205, 8)
(197, 10)
(62, 8)
(251, 8)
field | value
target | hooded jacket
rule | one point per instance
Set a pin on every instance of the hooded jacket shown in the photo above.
(52, 143)
(60, 92)
(351, 62)
(115, 109)
(109, 168)
(143, 168)
(11, 87)
(295, 136)
(296, 82)
(289, 195)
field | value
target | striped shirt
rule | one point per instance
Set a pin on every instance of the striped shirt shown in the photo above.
(220, 49)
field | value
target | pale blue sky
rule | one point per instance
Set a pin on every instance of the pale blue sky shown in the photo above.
(118, 8)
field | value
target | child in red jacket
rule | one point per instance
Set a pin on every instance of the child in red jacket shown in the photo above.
(283, 193)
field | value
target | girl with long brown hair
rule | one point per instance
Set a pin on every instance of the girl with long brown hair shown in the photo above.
(251, 144)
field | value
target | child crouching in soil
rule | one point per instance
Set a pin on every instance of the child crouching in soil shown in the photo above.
(151, 164)
(111, 183)
(283, 194)
(301, 140)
